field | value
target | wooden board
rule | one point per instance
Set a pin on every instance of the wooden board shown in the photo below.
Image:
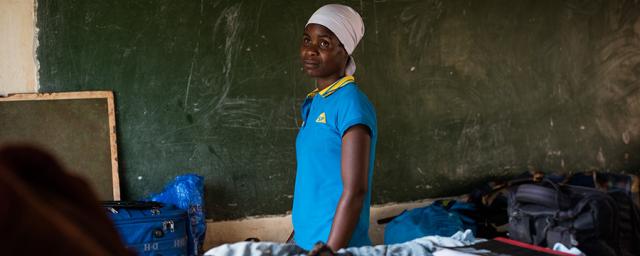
(79, 128)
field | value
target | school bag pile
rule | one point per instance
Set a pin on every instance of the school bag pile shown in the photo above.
(594, 212)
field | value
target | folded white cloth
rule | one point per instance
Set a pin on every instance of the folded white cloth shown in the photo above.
(561, 248)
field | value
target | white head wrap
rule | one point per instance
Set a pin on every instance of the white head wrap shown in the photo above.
(345, 23)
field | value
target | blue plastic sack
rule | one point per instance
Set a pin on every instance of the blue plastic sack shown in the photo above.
(442, 218)
(186, 192)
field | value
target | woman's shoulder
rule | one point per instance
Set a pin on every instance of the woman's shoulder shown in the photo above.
(351, 92)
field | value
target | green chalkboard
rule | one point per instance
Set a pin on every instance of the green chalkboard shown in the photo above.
(78, 128)
(465, 90)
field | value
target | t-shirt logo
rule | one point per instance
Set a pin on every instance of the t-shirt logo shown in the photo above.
(322, 118)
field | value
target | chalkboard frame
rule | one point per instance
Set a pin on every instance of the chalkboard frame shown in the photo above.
(108, 95)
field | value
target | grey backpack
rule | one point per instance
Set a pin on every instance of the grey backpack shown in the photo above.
(596, 222)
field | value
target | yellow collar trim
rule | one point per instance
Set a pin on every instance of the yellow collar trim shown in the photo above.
(333, 87)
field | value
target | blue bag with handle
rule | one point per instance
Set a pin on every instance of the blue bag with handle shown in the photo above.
(442, 218)
(186, 192)
(150, 228)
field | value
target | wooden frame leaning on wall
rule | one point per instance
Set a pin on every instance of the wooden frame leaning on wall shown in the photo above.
(108, 96)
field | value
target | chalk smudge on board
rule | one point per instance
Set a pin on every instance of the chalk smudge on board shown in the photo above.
(616, 73)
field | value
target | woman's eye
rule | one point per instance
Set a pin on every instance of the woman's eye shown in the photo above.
(306, 41)
(324, 44)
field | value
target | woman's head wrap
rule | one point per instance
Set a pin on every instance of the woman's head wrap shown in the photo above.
(345, 23)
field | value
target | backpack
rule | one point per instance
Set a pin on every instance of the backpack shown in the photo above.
(596, 222)
(490, 203)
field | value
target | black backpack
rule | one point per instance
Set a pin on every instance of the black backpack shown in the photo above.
(597, 222)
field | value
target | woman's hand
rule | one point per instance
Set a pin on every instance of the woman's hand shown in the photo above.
(321, 249)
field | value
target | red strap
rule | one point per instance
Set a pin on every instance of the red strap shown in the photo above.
(531, 247)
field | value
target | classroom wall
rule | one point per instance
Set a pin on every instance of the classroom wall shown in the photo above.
(471, 90)
(465, 90)
(17, 40)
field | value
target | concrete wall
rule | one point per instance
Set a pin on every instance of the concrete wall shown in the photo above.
(17, 39)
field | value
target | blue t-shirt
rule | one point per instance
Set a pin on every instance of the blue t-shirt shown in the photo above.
(326, 116)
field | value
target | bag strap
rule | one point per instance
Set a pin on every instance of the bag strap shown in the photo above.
(538, 194)
(488, 196)
(132, 204)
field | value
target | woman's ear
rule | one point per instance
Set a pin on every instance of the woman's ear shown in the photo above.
(344, 50)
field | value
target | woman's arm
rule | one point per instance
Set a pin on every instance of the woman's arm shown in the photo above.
(356, 144)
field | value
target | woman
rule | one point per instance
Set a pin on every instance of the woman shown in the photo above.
(336, 142)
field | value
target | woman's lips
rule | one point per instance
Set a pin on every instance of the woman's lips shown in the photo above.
(310, 64)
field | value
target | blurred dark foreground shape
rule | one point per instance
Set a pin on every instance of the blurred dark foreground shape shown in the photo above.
(46, 210)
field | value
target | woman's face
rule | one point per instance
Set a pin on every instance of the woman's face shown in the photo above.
(322, 54)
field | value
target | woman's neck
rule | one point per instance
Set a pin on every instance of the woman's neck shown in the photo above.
(324, 82)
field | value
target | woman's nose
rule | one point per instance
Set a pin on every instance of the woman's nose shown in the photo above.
(310, 49)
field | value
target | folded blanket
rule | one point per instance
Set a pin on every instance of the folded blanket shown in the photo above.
(421, 246)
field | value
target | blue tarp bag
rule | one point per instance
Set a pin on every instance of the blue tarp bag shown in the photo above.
(442, 218)
(186, 192)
